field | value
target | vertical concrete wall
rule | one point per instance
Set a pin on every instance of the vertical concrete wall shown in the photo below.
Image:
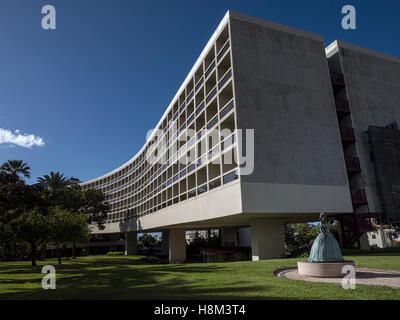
(229, 236)
(130, 243)
(283, 91)
(177, 245)
(373, 89)
(165, 243)
(267, 239)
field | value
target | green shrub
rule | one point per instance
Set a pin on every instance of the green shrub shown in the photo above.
(299, 238)
(114, 253)
(304, 255)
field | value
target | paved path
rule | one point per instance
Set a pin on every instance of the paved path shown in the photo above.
(374, 277)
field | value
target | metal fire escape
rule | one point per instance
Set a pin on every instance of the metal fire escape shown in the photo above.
(352, 225)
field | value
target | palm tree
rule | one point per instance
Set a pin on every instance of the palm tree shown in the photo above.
(55, 182)
(74, 180)
(16, 167)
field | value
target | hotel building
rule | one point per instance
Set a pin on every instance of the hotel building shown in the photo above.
(268, 128)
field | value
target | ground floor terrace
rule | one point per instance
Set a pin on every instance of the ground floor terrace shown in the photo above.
(245, 236)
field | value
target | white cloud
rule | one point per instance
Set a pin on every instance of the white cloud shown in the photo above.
(20, 139)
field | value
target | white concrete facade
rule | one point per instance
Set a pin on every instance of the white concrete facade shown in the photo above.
(380, 238)
(252, 74)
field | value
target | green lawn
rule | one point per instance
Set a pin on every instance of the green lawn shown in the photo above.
(104, 277)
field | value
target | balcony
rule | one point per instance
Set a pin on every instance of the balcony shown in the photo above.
(347, 134)
(342, 105)
(226, 77)
(358, 197)
(337, 79)
(223, 50)
(353, 164)
(210, 68)
(211, 95)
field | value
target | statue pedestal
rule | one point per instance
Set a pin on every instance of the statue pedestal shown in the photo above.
(323, 269)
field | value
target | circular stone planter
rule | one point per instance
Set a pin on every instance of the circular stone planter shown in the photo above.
(323, 269)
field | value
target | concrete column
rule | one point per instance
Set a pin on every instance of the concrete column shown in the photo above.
(267, 239)
(228, 236)
(165, 243)
(177, 245)
(364, 244)
(130, 243)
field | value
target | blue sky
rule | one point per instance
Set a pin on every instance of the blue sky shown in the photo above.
(88, 87)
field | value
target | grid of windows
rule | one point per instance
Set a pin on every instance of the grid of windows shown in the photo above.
(184, 165)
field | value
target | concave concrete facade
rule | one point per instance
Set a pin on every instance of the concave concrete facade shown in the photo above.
(252, 74)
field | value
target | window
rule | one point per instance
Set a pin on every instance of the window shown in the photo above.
(192, 193)
(215, 183)
(202, 189)
(230, 177)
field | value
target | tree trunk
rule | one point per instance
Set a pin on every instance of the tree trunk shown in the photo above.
(58, 255)
(74, 250)
(33, 254)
